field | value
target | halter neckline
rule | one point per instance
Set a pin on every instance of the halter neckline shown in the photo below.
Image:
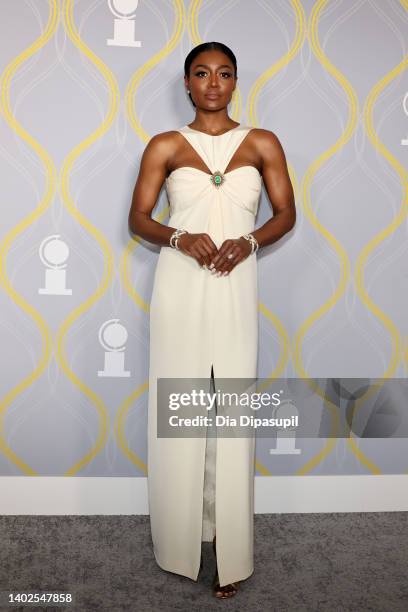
(213, 135)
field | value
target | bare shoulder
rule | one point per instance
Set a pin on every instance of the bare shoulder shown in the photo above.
(162, 146)
(266, 139)
(268, 146)
(163, 141)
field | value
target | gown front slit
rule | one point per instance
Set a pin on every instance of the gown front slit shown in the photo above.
(203, 325)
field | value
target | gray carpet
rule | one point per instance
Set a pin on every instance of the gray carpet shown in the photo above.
(303, 563)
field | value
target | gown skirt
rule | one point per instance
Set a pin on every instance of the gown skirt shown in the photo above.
(202, 324)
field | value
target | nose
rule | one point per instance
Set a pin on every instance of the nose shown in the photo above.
(214, 80)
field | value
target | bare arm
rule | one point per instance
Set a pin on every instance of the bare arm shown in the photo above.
(279, 188)
(152, 174)
(277, 182)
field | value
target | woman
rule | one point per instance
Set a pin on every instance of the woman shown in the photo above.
(203, 311)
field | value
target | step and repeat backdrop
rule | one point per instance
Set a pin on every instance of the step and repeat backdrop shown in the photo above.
(84, 86)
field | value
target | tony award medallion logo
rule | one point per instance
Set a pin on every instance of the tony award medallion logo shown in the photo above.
(286, 436)
(53, 254)
(124, 24)
(113, 336)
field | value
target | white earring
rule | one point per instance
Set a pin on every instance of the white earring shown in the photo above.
(188, 91)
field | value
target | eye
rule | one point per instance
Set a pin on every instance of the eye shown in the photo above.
(204, 72)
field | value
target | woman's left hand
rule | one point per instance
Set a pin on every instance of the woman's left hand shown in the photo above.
(231, 253)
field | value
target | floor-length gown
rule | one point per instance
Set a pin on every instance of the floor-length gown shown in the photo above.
(198, 323)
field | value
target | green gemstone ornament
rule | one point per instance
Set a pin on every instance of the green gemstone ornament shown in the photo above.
(217, 178)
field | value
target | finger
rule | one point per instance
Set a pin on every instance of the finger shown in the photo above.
(232, 262)
(225, 247)
(205, 253)
(235, 262)
(210, 250)
(201, 256)
(224, 261)
(230, 257)
(231, 266)
(227, 266)
(209, 241)
(209, 257)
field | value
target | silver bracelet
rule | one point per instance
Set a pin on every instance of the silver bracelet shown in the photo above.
(175, 236)
(253, 241)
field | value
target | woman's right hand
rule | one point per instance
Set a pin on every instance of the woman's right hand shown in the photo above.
(199, 246)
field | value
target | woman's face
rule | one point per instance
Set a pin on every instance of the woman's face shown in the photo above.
(212, 80)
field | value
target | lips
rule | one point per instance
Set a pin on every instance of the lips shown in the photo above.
(212, 96)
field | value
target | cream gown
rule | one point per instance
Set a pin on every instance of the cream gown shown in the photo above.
(199, 321)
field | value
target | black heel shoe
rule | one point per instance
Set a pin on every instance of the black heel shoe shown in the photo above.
(201, 565)
(226, 591)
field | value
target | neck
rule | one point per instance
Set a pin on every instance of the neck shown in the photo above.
(213, 125)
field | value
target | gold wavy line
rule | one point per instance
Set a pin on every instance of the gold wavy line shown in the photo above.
(50, 175)
(358, 453)
(253, 99)
(119, 427)
(310, 214)
(387, 231)
(397, 347)
(195, 37)
(139, 75)
(135, 123)
(106, 248)
(307, 181)
(130, 93)
(269, 73)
